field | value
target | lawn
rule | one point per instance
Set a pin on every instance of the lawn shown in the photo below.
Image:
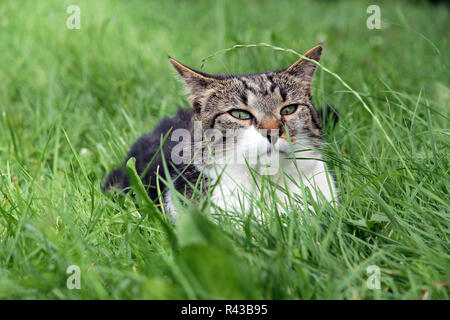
(73, 101)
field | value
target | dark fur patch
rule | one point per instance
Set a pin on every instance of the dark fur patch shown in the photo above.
(196, 105)
(246, 86)
(243, 97)
(282, 94)
(145, 148)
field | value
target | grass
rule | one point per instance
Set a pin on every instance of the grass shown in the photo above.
(73, 101)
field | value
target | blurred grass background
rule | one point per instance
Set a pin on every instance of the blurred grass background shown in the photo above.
(73, 101)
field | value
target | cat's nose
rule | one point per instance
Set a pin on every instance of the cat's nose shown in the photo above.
(271, 129)
(272, 135)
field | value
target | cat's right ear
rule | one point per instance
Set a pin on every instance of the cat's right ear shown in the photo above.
(195, 81)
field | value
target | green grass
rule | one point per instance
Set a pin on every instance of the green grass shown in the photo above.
(73, 101)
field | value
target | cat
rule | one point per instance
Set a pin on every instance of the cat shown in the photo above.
(270, 115)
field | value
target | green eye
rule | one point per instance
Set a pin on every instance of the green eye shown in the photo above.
(290, 109)
(241, 114)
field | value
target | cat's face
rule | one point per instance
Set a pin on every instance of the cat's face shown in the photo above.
(263, 111)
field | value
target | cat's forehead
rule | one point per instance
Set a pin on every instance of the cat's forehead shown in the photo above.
(262, 90)
(258, 83)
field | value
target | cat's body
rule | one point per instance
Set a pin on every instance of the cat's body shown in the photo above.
(251, 126)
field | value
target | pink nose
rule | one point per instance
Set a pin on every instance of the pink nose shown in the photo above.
(273, 132)
(271, 124)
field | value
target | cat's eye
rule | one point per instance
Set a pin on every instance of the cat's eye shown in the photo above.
(241, 114)
(290, 109)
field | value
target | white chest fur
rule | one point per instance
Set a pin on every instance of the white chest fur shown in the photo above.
(236, 184)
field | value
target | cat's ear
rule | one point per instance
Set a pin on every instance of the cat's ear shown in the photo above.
(303, 68)
(195, 81)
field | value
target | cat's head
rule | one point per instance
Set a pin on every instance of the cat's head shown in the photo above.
(265, 109)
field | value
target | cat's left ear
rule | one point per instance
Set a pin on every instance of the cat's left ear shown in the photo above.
(303, 68)
(195, 81)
